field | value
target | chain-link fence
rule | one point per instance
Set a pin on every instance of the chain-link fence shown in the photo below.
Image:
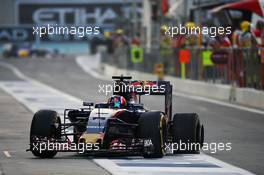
(244, 67)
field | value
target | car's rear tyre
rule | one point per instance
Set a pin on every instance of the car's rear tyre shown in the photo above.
(45, 125)
(188, 133)
(152, 125)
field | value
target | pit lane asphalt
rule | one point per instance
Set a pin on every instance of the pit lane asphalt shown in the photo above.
(222, 124)
(15, 122)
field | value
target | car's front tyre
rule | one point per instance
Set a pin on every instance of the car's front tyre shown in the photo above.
(45, 126)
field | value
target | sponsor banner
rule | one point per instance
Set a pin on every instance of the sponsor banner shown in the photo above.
(99, 13)
(16, 34)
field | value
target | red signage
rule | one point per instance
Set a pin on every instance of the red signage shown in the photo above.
(185, 56)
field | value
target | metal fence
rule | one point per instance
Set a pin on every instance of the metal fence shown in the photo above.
(245, 67)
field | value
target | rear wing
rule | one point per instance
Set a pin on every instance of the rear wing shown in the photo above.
(127, 88)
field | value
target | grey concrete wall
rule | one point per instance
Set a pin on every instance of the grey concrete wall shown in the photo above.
(243, 96)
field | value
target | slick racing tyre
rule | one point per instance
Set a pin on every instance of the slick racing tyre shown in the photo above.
(188, 133)
(152, 127)
(45, 126)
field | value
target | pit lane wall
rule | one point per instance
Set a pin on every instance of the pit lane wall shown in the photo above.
(243, 96)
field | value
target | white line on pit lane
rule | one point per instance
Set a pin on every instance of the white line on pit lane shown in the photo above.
(36, 95)
(7, 154)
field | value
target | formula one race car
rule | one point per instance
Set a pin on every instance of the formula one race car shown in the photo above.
(121, 125)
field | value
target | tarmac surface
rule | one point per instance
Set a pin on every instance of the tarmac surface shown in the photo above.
(222, 124)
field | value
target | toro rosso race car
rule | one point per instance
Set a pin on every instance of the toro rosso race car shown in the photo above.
(121, 125)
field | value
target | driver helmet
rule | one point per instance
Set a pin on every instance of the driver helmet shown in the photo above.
(117, 101)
